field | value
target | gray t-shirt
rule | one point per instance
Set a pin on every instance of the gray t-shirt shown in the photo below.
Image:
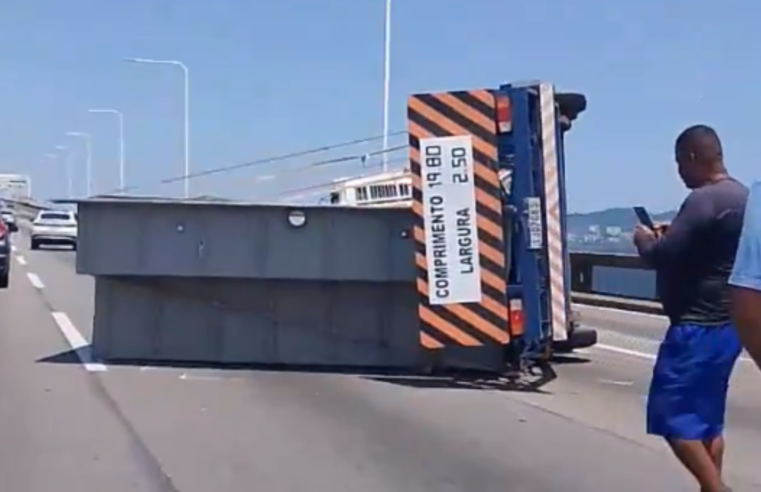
(694, 259)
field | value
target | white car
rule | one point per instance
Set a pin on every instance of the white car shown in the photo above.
(54, 227)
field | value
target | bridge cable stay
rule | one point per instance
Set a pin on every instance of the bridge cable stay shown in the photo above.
(277, 158)
(324, 186)
(325, 164)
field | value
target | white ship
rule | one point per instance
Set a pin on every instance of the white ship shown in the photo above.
(389, 189)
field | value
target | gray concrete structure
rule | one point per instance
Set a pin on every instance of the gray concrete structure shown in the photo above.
(235, 240)
(218, 282)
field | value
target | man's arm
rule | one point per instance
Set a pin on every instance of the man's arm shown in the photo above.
(745, 280)
(680, 236)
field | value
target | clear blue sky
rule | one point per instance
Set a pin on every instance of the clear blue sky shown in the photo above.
(271, 77)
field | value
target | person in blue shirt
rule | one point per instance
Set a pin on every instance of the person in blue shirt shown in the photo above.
(746, 278)
(693, 259)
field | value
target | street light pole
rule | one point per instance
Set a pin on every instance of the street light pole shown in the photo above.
(69, 180)
(386, 83)
(88, 150)
(50, 156)
(120, 117)
(186, 74)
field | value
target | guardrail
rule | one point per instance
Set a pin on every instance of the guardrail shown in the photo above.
(613, 280)
(26, 208)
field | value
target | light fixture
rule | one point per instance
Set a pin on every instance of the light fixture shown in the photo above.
(506, 179)
(297, 218)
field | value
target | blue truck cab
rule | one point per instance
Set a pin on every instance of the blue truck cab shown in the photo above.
(489, 196)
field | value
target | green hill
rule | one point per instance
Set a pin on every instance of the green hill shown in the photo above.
(624, 218)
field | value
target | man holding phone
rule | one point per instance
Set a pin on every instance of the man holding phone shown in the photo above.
(646, 221)
(693, 258)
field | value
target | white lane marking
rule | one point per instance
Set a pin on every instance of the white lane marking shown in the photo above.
(14, 248)
(77, 342)
(624, 312)
(191, 377)
(21, 260)
(642, 355)
(157, 369)
(35, 280)
(616, 382)
(624, 351)
(185, 377)
(636, 353)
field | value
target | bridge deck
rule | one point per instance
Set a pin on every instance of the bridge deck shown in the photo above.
(173, 429)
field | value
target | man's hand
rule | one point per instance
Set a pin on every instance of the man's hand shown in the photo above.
(661, 228)
(643, 234)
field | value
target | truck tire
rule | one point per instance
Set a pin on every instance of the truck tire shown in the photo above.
(5, 281)
(580, 338)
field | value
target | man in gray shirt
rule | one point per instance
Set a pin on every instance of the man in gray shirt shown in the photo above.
(693, 259)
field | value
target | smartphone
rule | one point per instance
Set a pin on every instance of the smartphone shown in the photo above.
(644, 217)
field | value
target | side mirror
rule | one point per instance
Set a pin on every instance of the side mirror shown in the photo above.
(570, 106)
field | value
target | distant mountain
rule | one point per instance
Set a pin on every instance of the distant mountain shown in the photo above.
(612, 217)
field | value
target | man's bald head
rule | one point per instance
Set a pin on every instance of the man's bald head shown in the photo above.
(702, 141)
(700, 155)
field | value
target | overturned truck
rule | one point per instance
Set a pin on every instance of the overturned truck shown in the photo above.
(472, 274)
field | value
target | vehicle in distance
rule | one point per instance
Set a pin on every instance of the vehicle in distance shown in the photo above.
(54, 228)
(5, 255)
(8, 216)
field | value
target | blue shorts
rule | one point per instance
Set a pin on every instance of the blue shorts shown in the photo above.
(688, 393)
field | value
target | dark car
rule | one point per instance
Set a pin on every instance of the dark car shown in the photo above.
(9, 217)
(5, 255)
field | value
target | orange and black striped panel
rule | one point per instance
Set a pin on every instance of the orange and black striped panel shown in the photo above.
(454, 114)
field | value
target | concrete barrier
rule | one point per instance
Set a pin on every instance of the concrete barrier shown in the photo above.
(588, 287)
(27, 209)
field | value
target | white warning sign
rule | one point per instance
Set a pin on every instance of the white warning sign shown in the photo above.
(451, 234)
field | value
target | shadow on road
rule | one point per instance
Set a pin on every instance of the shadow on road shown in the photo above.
(529, 380)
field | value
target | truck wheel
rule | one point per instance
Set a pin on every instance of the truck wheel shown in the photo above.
(34, 245)
(580, 338)
(5, 281)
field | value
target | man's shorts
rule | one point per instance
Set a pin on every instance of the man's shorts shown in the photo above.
(688, 393)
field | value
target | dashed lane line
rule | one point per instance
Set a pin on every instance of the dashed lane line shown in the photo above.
(79, 345)
(21, 260)
(623, 312)
(624, 351)
(35, 280)
(618, 345)
(77, 342)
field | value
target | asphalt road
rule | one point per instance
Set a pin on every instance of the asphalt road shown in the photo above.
(125, 429)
